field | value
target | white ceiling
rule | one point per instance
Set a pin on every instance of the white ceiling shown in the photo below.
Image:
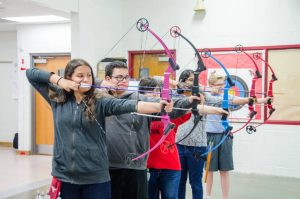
(18, 8)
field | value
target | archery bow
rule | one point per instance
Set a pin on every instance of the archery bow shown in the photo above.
(252, 94)
(229, 84)
(175, 31)
(250, 128)
(143, 25)
(225, 103)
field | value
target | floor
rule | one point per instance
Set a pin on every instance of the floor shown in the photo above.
(23, 176)
(22, 173)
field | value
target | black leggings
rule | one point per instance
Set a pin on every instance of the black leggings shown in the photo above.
(129, 184)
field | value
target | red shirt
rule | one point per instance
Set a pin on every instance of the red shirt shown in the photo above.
(165, 157)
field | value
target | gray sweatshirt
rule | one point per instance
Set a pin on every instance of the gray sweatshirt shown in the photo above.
(128, 135)
(80, 153)
(198, 137)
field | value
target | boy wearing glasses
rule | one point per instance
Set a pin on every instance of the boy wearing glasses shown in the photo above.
(128, 136)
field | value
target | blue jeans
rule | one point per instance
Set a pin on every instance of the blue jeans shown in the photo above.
(85, 191)
(163, 180)
(192, 166)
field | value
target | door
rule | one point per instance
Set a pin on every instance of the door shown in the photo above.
(145, 65)
(44, 129)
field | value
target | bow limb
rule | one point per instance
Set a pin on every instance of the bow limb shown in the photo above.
(252, 94)
(161, 140)
(216, 146)
(143, 25)
(224, 121)
(229, 84)
(240, 48)
(175, 31)
(206, 53)
(225, 103)
(251, 129)
(270, 88)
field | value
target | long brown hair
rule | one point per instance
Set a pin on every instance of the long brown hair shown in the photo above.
(61, 96)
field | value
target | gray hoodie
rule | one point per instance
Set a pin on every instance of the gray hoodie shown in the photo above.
(128, 135)
(80, 153)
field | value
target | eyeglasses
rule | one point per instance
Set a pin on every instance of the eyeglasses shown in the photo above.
(120, 78)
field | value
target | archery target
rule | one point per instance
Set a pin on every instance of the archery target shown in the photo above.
(240, 89)
(242, 69)
(243, 80)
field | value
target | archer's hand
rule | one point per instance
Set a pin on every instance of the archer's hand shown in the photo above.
(221, 111)
(264, 100)
(168, 106)
(199, 99)
(68, 85)
(109, 87)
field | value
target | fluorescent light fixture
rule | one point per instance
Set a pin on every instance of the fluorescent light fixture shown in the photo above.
(36, 19)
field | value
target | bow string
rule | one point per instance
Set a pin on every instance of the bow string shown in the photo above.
(143, 25)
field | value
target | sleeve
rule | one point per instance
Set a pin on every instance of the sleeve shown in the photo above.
(113, 106)
(145, 98)
(180, 103)
(211, 100)
(180, 120)
(216, 101)
(39, 79)
(231, 97)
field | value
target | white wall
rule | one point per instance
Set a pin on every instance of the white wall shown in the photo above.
(274, 149)
(223, 24)
(8, 46)
(8, 80)
(95, 29)
(65, 5)
(50, 38)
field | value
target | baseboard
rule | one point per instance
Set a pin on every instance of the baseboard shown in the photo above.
(6, 144)
(22, 152)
